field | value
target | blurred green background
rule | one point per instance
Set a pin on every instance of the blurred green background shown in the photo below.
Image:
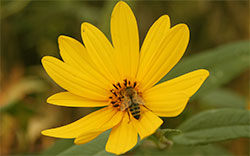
(29, 31)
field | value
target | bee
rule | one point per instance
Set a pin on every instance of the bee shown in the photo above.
(131, 101)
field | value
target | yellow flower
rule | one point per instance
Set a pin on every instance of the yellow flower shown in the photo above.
(121, 79)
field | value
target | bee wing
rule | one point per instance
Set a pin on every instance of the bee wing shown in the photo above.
(125, 104)
(137, 99)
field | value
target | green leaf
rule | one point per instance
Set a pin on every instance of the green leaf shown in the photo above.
(96, 147)
(223, 98)
(224, 63)
(213, 126)
(169, 131)
(58, 147)
(206, 150)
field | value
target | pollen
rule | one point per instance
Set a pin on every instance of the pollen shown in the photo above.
(120, 90)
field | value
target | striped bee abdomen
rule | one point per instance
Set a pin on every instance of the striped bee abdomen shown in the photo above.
(134, 109)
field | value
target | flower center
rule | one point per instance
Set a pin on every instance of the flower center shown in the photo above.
(125, 96)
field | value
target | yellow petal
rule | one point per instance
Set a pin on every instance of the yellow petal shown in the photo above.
(167, 106)
(100, 51)
(94, 132)
(75, 54)
(105, 117)
(73, 80)
(170, 98)
(147, 124)
(188, 84)
(125, 37)
(165, 56)
(154, 38)
(122, 138)
(87, 137)
(72, 100)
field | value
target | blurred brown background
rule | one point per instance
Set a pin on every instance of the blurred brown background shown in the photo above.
(29, 30)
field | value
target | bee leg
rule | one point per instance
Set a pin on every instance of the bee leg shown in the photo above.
(147, 108)
(129, 117)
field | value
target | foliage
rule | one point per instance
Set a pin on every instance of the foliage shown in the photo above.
(213, 126)
(223, 98)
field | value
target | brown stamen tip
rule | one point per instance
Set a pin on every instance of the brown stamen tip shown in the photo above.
(115, 86)
(125, 83)
(134, 84)
(112, 91)
(116, 105)
(119, 85)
